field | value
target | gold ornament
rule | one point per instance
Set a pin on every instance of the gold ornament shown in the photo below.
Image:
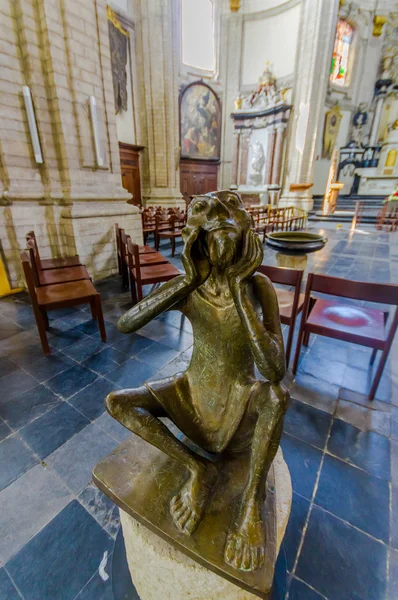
(234, 5)
(378, 23)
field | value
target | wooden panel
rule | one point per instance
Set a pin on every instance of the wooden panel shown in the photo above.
(198, 177)
(130, 170)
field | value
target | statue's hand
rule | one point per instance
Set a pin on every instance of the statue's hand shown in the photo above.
(197, 268)
(247, 265)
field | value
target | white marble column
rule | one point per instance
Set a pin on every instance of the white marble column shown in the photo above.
(314, 51)
(376, 119)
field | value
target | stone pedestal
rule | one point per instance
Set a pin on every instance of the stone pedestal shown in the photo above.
(167, 565)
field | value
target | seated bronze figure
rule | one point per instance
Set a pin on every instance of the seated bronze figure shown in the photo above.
(217, 402)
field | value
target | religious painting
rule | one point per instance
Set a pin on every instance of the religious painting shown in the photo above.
(341, 53)
(118, 40)
(332, 125)
(200, 120)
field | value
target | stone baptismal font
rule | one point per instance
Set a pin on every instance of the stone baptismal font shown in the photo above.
(202, 486)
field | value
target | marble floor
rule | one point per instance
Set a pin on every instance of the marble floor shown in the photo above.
(56, 528)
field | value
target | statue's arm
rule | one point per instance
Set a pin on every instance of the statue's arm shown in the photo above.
(265, 337)
(169, 295)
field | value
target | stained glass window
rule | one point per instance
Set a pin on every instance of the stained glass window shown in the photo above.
(339, 70)
(198, 47)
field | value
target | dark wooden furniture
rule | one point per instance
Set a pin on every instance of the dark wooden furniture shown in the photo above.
(130, 170)
(145, 275)
(198, 176)
(347, 322)
(290, 302)
(51, 276)
(122, 254)
(52, 263)
(172, 229)
(60, 295)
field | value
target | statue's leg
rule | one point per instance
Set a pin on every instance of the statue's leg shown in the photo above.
(246, 540)
(138, 410)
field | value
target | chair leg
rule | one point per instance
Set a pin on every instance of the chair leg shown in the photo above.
(378, 375)
(45, 317)
(100, 317)
(306, 338)
(41, 326)
(93, 308)
(156, 242)
(372, 358)
(173, 246)
(299, 344)
(289, 344)
(133, 291)
(139, 291)
(125, 276)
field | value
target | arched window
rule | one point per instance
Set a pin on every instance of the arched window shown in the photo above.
(340, 67)
(197, 22)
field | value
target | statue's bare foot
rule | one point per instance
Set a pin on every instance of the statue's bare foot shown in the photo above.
(188, 506)
(245, 547)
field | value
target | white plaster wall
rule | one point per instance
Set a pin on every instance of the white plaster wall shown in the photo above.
(272, 38)
(250, 6)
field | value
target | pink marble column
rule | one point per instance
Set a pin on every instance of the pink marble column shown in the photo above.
(244, 156)
(278, 154)
(235, 157)
(270, 154)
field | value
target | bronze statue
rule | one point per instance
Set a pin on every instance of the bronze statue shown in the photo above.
(217, 402)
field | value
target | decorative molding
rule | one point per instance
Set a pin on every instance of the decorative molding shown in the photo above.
(271, 12)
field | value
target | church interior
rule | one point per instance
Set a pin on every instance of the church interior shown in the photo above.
(130, 129)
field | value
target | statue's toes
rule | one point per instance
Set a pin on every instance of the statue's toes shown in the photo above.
(241, 555)
(191, 523)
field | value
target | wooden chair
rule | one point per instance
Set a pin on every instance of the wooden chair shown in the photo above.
(146, 275)
(148, 223)
(52, 276)
(122, 254)
(52, 263)
(290, 302)
(357, 324)
(172, 231)
(60, 295)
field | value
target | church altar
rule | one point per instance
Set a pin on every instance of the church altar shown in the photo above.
(260, 122)
(383, 179)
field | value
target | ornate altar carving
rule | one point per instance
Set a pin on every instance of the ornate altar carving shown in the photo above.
(332, 125)
(118, 47)
(266, 95)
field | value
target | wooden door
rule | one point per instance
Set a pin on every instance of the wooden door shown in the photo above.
(130, 170)
(198, 177)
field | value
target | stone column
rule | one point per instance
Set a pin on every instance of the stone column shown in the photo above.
(270, 154)
(157, 69)
(314, 50)
(275, 186)
(244, 156)
(235, 157)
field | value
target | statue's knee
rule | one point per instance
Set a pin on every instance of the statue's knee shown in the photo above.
(275, 394)
(111, 402)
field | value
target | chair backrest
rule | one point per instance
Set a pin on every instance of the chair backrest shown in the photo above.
(384, 293)
(29, 276)
(134, 258)
(31, 248)
(117, 233)
(30, 236)
(282, 275)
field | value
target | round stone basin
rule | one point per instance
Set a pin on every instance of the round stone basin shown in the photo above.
(296, 241)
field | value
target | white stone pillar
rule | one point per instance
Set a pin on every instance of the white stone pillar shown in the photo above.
(314, 50)
(376, 119)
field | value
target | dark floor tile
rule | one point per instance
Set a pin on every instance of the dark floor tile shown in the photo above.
(341, 562)
(5, 431)
(26, 355)
(300, 591)
(315, 392)
(394, 517)
(62, 557)
(113, 335)
(97, 588)
(177, 339)
(303, 461)
(101, 508)
(89, 327)
(49, 366)
(106, 361)
(8, 328)
(132, 344)
(15, 384)
(365, 449)
(298, 515)
(326, 368)
(90, 401)
(71, 381)
(84, 349)
(131, 374)
(29, 406)
(53, 429)
(6, 366)
(157, 355)
(355, 496)
(15, 459)
(113, 428)
(62, 339)
(7, 588)
(307, 423)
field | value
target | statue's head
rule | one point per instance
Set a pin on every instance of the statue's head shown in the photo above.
(222, 219)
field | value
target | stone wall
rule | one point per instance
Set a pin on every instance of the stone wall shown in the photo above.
(60, 49)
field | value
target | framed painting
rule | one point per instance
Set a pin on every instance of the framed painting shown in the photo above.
(200, 122)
